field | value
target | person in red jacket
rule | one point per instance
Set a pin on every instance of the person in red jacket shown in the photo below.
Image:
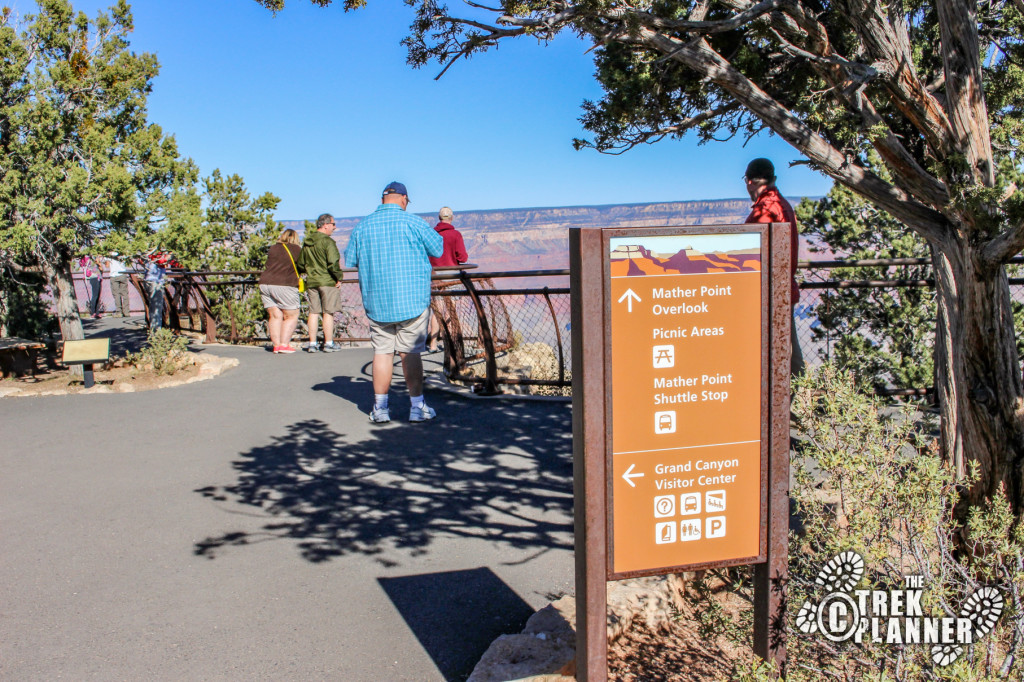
(771, 207)
(454, 247)
(454, 254)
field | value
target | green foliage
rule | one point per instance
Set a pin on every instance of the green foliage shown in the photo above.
(710, 615)
(869, 480)
(240, 313)
(233, 232)
(79, 162)
(885, 336)
(23, 313)
(165, 352)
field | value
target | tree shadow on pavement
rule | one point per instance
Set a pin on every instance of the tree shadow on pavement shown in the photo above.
(495, 470)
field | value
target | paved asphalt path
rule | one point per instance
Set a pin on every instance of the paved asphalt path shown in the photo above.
(257, 526)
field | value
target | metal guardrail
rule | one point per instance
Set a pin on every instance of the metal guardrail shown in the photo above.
(518, 337)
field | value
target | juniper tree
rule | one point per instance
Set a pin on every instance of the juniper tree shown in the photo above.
(78, 160)
(217, 225)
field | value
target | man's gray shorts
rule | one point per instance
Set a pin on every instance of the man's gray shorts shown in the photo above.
(408, 336)
(324, 300)
(279, 296)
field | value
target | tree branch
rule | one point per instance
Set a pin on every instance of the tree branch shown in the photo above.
(1004, 246)
(887, 43)
(644, 137)
(704, 60)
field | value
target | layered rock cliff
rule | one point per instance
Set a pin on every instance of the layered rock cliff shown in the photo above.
(536, 238)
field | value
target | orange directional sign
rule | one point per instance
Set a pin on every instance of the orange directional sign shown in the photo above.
(686, 344)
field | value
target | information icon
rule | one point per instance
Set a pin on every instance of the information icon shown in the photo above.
(665, 422)
(664, 356)
(664, 505)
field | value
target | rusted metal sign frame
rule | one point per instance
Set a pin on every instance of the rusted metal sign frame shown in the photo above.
(592, 438)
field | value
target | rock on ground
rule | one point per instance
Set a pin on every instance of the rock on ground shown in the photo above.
(545, 651)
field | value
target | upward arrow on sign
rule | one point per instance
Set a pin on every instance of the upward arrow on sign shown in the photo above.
(629, 297)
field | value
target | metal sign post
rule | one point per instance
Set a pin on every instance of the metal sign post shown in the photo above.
(680, 414)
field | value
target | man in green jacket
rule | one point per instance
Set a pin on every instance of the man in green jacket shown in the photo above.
(320, 261)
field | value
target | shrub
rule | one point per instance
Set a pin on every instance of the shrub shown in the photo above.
(165, 352)
(867, 481)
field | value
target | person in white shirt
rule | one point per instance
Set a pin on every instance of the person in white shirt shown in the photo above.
(119, 285)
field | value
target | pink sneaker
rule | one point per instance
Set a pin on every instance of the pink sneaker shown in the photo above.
(284, 349)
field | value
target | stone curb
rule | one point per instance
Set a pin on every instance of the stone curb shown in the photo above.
(209, 367)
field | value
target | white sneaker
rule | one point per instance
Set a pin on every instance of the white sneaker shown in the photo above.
(380, 415)
(421, 414)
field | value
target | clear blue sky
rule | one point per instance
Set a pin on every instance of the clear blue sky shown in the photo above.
(319, 107)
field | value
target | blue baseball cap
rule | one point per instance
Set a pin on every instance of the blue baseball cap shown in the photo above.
(395, 188)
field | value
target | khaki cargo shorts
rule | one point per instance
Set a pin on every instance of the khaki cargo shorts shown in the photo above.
(324, 300)
(408, 336)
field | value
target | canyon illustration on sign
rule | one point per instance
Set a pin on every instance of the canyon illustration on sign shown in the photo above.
(686, 336)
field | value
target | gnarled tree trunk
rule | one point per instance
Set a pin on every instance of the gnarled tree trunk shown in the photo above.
(62, 284)
(978, 374)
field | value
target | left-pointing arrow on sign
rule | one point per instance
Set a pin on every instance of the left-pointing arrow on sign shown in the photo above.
(629, 475)
(629, 297)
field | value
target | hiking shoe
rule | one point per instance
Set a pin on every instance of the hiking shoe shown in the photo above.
(311, 348)
(284, 349)
(380, 415)
(421, 414)
(331, 347)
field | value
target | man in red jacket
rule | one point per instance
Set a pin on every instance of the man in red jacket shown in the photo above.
(771, 207)
(454, 247)
(454, 254)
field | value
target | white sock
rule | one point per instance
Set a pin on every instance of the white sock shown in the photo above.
(417, 401)
(380, 400)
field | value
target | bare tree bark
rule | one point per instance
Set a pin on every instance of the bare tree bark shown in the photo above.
(63, 287)
(962, 65)
(978, 376)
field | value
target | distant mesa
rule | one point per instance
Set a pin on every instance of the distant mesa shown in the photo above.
(635, 261)
(537, 238)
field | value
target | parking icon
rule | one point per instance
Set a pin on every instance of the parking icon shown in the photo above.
(714, 527)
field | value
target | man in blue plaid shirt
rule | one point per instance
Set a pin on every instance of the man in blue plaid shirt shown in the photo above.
(390, 247)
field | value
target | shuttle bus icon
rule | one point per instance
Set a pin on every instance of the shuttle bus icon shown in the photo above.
(665, 422)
